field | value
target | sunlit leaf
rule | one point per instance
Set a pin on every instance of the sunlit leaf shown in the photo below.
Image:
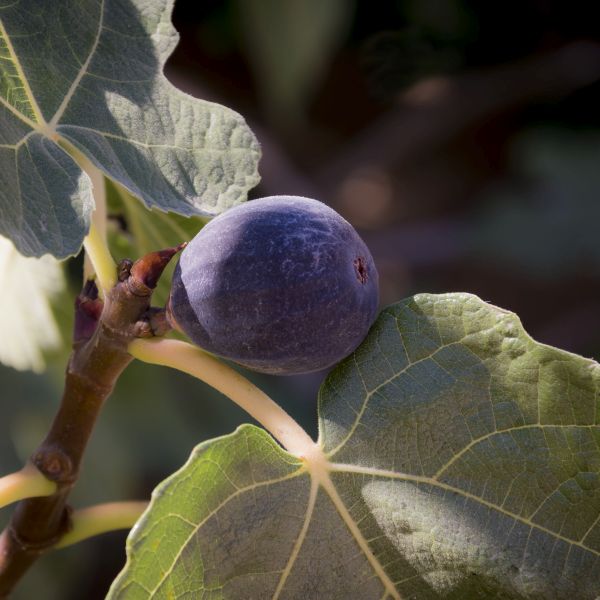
(91, 73)
(464, 462)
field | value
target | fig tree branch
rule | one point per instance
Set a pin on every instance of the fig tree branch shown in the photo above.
(101, 336)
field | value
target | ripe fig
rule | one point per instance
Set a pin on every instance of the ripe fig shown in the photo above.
(280, 285)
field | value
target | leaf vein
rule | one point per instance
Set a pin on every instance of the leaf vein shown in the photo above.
(81, 73)
(135, 142)
(359, 538)
(197, 527)
(371, 393)
(487, 436)
(314, 488)
(345, 468)
(21, 74)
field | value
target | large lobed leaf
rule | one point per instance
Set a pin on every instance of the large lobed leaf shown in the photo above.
(465, 462)
(89, 72)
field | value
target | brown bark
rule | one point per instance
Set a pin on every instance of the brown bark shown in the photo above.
(99, 356)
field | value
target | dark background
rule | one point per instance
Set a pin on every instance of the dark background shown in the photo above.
(461, 138)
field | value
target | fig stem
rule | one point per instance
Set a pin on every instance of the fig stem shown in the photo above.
(96, 248)
(102, 518)
(194, 361)
(104, 265)
(29, 482)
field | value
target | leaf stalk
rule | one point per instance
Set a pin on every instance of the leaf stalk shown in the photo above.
(96, 249)
(29, 482)
(102, 262)
(102, 518)
(194, 361)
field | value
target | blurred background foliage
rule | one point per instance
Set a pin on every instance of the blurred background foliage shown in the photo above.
(461, 138)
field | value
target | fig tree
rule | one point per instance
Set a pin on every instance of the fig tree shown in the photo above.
(280, 285)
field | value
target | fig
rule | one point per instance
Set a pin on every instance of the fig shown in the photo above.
(280, 285)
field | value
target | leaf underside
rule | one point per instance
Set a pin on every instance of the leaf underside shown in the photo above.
(465, 460)
(90, 72)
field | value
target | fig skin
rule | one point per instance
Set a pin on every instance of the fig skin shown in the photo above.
(280, 285)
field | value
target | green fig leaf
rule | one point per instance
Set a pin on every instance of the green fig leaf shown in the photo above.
(463, 461)
(89, 75)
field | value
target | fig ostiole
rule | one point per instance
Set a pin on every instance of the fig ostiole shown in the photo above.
(280, 285)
